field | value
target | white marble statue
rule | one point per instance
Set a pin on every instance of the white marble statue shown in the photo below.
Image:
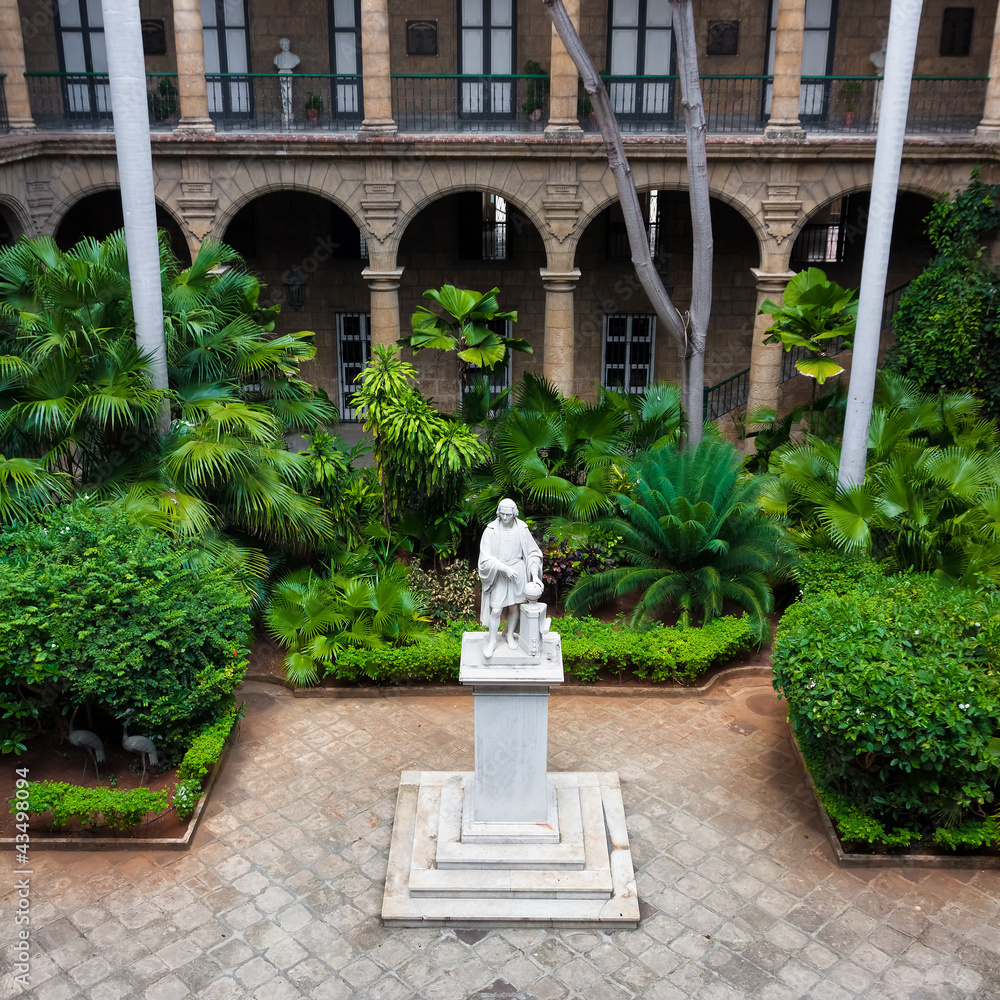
(509, 560)
(286, 61)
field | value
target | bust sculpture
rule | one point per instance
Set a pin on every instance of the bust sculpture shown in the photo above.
(510, 562)
(286, 60)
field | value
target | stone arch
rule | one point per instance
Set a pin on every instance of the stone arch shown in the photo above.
(233, 201)
(17, 215)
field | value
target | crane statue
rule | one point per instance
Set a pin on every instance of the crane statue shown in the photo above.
(90, 742)
(141, 745)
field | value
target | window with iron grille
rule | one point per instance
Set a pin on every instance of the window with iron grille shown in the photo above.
(617, 247)
(628, 352)
(482, 226)
(354, 343)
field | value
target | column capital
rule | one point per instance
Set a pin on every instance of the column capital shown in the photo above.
(559, 281)
(772, 281)
(382, 281)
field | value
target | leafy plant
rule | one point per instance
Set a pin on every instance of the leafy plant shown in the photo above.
(96, 609)
(164, 102)
(201, 756)
(814, 312)
(314, 102)
(448, 594)
(316, 618)
(893, 690)
(118, 808)
(464, 328)
(850, 94)
(693, 537)
(537, 89)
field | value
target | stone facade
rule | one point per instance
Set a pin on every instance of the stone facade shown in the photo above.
(401, 192)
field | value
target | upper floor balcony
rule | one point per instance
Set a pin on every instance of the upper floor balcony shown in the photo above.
(452, 68)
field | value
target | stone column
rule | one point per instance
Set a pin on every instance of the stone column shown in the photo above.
(788, 41)
(989, 127)
(559, 327)
(765, 359)
(384, 289)
(12, 63)
(377, 83)
(189, 40)
(563, 81)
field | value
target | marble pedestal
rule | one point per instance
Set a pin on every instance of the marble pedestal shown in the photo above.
(510, 843)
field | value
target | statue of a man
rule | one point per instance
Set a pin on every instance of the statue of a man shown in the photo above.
(508, 558)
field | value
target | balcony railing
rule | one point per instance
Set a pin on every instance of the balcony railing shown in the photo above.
(4, 119)
(82, 101)
(466, 103)
(273, 102)
(457, 103)
(952, 104)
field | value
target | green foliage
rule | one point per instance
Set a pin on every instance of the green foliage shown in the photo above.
(826, 571)
(658, 653)
(418, 453)
(318, 617)
(77, 401)
(449, 593)
(465, 328)
(96, 609)
(815, 311)
(930, 496)
(537, 90)
(556, 455)
(567, 555)
(164, 101)
(693, 537)
(186, 796)
(894, 694)
(207, 746)
(117, 808)
(946, 324)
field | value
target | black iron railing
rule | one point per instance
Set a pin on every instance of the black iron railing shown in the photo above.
(82, 101)
(275, 102)
(468, 103)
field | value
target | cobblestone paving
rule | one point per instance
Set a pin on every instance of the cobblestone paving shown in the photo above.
(280, 894)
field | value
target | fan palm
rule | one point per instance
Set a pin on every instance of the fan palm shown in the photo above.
(694, 537)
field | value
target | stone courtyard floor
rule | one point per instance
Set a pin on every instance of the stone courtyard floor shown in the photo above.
(280, 893)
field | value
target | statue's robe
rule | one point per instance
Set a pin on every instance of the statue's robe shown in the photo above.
(512, 546)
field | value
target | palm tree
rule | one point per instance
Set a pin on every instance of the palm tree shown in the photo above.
(694, 537)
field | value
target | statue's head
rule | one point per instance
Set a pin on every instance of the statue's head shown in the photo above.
(506, 510)
(284, 44)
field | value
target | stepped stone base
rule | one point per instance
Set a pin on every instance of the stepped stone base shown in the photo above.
(436, 879)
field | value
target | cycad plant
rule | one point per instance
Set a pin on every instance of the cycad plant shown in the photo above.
(694, 537)
(316, 617)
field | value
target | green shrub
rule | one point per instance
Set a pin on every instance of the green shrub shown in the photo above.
(206, 747)
(119, 808)
(449, 594)
(96, 609)
(894, 695)
(657, 653)
(829, 571)
(186, 796)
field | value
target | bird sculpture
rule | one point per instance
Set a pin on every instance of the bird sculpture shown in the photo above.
(141, 745)
(90, 742)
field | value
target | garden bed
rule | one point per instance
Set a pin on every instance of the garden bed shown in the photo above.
(882, 856)
(46, 763)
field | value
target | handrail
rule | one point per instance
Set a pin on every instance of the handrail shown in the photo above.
(71, 72)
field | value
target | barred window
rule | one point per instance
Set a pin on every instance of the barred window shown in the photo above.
(628, 352)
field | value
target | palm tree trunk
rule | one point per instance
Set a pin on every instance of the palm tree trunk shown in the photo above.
(904, 21)
(701, 216)
(127, 73)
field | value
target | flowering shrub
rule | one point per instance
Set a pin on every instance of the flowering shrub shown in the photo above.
(893, 690)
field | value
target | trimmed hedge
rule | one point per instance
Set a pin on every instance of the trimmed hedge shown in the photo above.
(120, 808)
(658, 653)
(204, 752)
(893, 691)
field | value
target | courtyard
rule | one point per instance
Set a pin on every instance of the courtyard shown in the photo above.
(280, 893)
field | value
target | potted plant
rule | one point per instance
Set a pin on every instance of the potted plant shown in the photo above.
(163, 102)
(537, 89)
(314, 105)
(850, 96)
